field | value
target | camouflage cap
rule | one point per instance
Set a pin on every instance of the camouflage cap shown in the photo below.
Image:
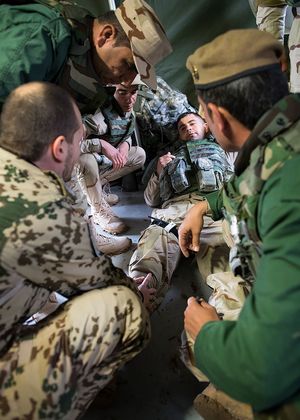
(233, 55)
(147, 37)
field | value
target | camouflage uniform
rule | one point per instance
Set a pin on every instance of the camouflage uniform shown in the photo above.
(158, 249)
(94, 169)
(156, 114)
(56, 368)
(262, 204)
(270, 17)
(294, 51)
(65, 43)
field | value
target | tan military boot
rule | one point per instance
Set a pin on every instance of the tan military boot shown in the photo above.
(108, 196)
(110, 245)
(107, 220)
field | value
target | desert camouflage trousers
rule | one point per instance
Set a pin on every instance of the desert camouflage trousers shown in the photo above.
(294, 48)
(56, 369)
(92, 177)
(228, 297)
(272, 20)
(158, 250)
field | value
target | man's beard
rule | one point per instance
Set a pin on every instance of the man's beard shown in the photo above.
(68, 169)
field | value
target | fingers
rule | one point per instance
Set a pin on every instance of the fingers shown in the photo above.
(118, 161)
(138, 280)
(184, 240)
(191, 300)
(199, 301)
(146, 280)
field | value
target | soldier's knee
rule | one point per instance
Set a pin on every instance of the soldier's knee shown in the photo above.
(138, 156)
(88, 164)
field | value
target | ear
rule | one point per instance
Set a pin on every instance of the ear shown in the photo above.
(59, 149)
(220, 118)
(106, 33)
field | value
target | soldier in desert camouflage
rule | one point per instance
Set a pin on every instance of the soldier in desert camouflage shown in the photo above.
(108, 154)
(55, 368)
(63, 43)
(173, 189)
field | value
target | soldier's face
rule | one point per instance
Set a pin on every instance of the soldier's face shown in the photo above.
(219, 126)
(126, 96)
(191, 127)
(117, 65)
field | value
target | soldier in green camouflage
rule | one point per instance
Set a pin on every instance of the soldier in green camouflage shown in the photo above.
(61, 42)
(173, 193)
(56, 368)
(254, 359)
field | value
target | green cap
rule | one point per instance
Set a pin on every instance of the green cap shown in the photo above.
(233, 55)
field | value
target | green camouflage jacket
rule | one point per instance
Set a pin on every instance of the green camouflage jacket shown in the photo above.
(256, 359)
(44, 246)
(44, 42)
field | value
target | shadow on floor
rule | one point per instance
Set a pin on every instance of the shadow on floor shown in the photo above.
(156, 385)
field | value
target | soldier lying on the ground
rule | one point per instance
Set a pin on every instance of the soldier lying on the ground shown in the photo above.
(56, 368)
(182, 179)
(156, 115)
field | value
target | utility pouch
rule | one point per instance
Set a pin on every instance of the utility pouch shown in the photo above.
(205, 174)
(177, 171)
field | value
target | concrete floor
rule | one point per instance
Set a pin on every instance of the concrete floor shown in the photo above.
(155, 385)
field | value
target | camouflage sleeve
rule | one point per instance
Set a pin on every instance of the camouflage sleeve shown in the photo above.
(256, 358)
(95, 124)
(91, 146)
(152, 192)
(215, 202)
(52, 249)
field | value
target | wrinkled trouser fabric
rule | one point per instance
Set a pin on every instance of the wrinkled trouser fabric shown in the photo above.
(91, 176)
(294, 48)
(272, 20)
(57, 368)
(158, 251)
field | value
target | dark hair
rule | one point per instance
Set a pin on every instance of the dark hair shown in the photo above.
(33, 116)
(184, 114)
(249, 97)
(111, 18)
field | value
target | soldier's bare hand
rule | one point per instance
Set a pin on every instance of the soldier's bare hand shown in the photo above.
(112, 154)
(197, 314)
(163, 161)
(189, 230)
(124, 149)
(149, 294)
